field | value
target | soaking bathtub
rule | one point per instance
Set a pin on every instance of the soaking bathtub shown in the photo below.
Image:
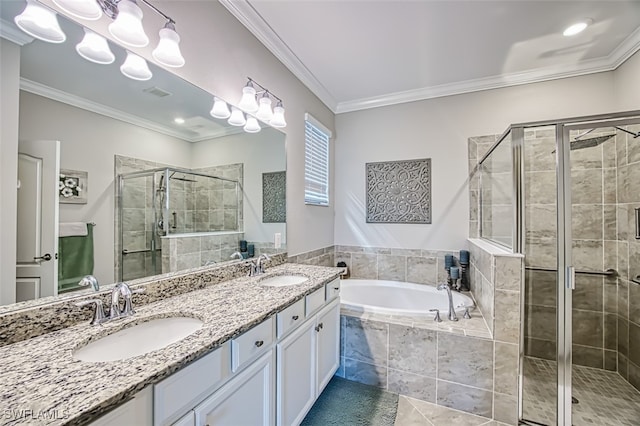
(399, 298)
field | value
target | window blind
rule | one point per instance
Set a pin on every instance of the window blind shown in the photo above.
(316, 162)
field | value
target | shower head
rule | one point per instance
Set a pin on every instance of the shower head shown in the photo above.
(577, 143)
(183, 178)
(588, 143)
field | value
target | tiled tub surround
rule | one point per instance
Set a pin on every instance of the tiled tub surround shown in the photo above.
(394, 264)
(38, 317)
(194, 250)
(322, 257)
(441, 364)
(40, 373)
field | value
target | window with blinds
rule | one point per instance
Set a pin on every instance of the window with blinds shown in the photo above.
(316, 162)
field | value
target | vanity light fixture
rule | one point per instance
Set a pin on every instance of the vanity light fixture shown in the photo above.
(248, 101)
(252, 125)
(127, 26)
(40, 22)
(577, 28)
(95, 48)
(278, 120)
(220, 109)
(135, 67)
(263, 111)
(84, 9)
(237, 117)
(168, 50)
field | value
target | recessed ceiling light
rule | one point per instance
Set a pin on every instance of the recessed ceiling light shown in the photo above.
(577, 28)
(179, 120)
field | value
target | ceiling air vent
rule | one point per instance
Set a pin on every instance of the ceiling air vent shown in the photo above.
(156, 91)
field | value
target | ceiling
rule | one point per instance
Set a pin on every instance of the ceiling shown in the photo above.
(357, 54)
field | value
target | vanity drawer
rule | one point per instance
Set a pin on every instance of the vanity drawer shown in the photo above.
(290, 318)
(252, 343)
(187, 387)
(314, 301)
(333, 289)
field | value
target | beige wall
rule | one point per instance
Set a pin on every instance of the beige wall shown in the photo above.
(438, 129)
(9, 89)
(88, 142)
(220, 54)
(626, 87)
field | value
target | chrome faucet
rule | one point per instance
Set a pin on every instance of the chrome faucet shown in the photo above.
(89, 280)
(452, 312)
(236, 255)
(260, 269)
(122, 289)
(98, 314)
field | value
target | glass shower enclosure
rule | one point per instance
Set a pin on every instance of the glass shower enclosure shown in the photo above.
(569, 191)
(169, 201)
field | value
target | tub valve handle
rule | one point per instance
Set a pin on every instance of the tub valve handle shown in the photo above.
(466, 315)
(437, 317)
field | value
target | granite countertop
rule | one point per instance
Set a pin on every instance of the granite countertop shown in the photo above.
(40, 374)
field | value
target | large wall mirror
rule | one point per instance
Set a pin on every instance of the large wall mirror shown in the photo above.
(149, 181)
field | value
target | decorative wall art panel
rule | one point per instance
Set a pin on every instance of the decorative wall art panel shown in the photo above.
(399, 191)
(73, 186)
(274, 201)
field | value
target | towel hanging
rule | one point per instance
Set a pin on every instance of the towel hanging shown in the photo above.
(72, 229)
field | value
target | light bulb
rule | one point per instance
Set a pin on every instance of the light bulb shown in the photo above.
(168, 50)
(264, 111)
(236, 118)
(252, 125)
(84, 9)
(127, 28)
(577, 28)
(40, 22)
(278, 117)
(95, 48)
(220, 109)
(135, 67)
(248, 101)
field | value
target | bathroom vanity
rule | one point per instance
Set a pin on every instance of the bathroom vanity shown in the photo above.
(262, 356)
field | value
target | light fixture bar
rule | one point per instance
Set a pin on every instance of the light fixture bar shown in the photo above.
(159, 12)
(262, 88)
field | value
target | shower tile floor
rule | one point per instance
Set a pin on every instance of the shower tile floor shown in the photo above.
(605, 397)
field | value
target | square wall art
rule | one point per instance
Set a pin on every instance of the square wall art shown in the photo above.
(72, 187)
(399, 191)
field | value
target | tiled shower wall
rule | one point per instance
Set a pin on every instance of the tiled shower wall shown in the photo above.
(193, 251)
(628, 254)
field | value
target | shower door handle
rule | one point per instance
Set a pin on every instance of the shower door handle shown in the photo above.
(570, 277)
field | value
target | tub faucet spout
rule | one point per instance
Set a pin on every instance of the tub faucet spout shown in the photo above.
(452, 312)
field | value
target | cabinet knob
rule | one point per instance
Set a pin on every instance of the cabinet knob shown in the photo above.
(319, 327)
(295, 317)
(259, 343)
(336, 288)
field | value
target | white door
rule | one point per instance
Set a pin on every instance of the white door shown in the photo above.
(296, 383)
(328, 343)
(37, 227)
(247, 400)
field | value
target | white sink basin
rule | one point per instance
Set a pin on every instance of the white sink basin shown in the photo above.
(283, 280)
(138, 340)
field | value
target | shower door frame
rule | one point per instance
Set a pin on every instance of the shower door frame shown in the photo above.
(565, 278)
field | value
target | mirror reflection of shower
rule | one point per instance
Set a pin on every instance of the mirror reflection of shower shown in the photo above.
(165, 202)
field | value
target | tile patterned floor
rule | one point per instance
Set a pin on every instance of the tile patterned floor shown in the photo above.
(413, 412)
(606, 399)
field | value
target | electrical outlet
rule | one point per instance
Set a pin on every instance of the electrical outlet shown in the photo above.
(277, 240)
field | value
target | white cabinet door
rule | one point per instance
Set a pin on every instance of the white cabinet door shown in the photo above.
(138, 411)
(296, 382)
(328, 343)
(247, 400)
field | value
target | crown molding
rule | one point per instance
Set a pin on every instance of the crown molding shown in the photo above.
(76, 101)
(253, 21)
(9, 31)
(609, 63)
